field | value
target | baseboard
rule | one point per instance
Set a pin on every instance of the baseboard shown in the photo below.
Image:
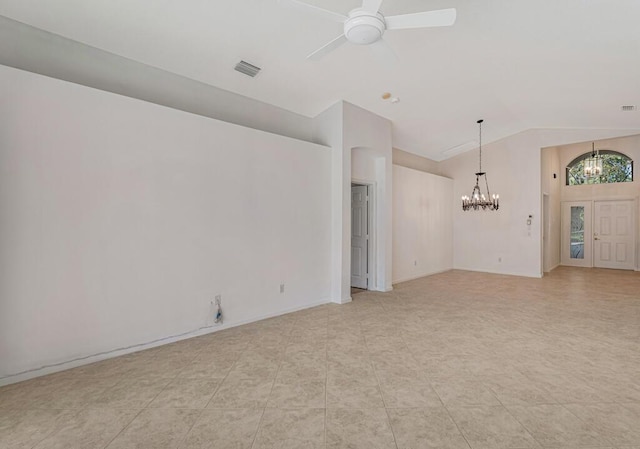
(412, 278)
(343, 301)
(553, 268)
(506, 273)
(86, 360)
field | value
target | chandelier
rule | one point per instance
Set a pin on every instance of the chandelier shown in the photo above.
(593, 165)
(478, 200)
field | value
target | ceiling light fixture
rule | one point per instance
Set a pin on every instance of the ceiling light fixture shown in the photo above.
(477, 199)
(593, 165)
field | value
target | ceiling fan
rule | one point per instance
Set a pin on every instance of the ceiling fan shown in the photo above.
(366, 25)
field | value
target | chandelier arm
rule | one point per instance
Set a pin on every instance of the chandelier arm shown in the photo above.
(486, 182)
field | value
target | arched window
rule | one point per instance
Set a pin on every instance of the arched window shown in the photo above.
(616, 167)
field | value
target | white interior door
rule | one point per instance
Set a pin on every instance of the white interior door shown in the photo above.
(614, 235)
(576, 234)
(359, 236)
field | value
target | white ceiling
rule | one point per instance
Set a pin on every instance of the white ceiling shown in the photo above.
(517, 64)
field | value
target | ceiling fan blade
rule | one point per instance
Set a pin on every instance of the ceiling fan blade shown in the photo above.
(383, 52)
(322, 51)
(438, 18)
(371, 5)
(330, 15)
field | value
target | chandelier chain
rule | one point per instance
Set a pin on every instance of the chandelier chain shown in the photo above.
(480, 140)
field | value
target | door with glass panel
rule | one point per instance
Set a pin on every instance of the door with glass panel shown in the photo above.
(576, 234)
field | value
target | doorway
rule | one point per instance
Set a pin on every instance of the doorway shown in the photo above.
(576, 234)
(361, 237)
(546, 233)
(599, 234)
(614, 235)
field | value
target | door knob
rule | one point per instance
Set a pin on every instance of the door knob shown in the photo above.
(596, 238)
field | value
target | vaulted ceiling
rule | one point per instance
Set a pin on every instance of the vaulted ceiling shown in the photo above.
(517, 64)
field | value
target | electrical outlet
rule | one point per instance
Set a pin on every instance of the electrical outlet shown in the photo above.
(499, 259)
(415, 263)
(281, 288)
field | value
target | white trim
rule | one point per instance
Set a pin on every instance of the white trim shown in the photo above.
(372, 260)
(553, 268)
(85, 360)
(412, 278)
(343, 301)
(506, 273)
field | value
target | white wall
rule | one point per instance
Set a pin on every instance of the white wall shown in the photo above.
(368, 137)
(32, 49)
(501, 241)
(550, 161)
(628, 145)
(345, 127)
(410, 160)
(422, 224)
(122, 219)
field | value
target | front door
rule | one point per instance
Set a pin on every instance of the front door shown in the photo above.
(614, 235)
(576, 234)
(359, 236)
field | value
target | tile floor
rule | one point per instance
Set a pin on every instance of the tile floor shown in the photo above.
(457, 360)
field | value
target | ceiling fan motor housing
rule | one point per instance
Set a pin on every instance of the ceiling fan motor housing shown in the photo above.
(364, 27)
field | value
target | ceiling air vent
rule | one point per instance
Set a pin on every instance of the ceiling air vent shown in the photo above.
(247, 69)
(628, 108)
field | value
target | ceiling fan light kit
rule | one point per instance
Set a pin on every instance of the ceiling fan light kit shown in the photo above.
(363, 28)
(367, 25)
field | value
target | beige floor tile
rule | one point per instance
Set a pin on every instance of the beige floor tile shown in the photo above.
(156, 368)
(254, 368)
(409, 394)
(517, 390)
(476, 339)
(350, 393)
(242, 393)
(78, 393)
(445, 365)
(186, 393)
(290, 429)
(23, 429)
(464, 392)
(491, 428)
(567, 389)
(131, 393)
(216, 368)
(298, 393)
(400, 373)
(303, 368)
(359, 429)
(88, 429)
(351, 369)
(224, 429)
(157, 429)
(619, 424)
(555, 426)
(425, 428)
